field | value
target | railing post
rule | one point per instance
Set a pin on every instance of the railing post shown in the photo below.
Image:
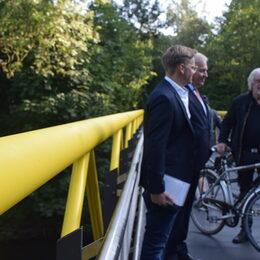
(94, 202)
(116, 147)
(114, 236)
(76, 193)
(128, 134)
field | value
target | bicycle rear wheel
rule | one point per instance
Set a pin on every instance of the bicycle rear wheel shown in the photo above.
(205, 214)
(251, 220)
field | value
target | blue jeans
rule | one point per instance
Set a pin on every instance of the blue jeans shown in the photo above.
(159, 223)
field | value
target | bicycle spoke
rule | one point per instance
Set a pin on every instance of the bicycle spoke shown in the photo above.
(207, 216)
(251, 221)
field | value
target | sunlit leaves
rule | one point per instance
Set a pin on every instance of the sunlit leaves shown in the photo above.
(235, 51)
(122, 60)
(56, 35)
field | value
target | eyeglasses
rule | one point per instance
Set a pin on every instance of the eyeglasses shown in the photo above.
(257, 81)
(193, 68)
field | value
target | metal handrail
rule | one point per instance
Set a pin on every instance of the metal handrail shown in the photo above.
(139, 232)
(28, 160)
(112, 245)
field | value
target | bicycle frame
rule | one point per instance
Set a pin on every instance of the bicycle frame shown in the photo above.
(225, 182)
(217, 203)
(253, 191)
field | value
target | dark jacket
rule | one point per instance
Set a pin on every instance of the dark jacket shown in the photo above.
(201, 125)
(215, 123)
(234, 123)
(168, 139)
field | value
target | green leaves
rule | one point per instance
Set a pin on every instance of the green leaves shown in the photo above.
(235, 51)
(122, 61)
(57, 35)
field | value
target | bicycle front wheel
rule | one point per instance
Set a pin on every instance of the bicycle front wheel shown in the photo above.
(251, 220)
(205, 214)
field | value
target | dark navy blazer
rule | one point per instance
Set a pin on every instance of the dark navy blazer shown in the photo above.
(201, 125)
(168, 139)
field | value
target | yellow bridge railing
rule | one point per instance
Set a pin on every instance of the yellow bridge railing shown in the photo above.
(222, 113)
(28, 160)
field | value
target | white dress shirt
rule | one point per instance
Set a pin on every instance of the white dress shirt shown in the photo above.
(183, 94)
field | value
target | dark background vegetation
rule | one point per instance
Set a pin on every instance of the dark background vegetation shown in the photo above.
(62, 61)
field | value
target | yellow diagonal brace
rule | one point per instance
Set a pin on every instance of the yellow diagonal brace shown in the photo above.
(76, 194)
(134, 126)
(94, 201)
(128, 134)
(116, 147)
(222, 113)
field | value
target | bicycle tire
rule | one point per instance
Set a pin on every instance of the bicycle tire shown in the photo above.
(251, 220)
(207, 216)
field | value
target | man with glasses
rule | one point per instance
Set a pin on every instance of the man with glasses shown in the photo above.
(168, 148)
(176, 247)
(242, 122)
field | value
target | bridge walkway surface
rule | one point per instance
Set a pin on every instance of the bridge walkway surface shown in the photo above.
(219, 246)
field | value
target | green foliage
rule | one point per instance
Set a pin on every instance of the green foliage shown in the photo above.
(55, 34)
(144, 14)
(62, 64)
(122, 59)
(234, 51)
(188, 28)
(45, 48)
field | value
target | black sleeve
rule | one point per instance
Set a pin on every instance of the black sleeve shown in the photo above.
(159, 125)
(227, 124)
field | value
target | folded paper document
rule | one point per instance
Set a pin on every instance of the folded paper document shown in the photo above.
(176, 188)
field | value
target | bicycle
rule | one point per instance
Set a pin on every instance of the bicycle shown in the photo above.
(216, 205)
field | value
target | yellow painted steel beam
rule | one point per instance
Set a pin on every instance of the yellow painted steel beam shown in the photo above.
(28, 160)
(94, 201)
(116, 148)
(128, 134)
(134, 127)
(73, 211)
(222, 113)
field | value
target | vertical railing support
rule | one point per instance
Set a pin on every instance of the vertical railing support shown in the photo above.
(76, 194)
(128, 134)
(116, 147)
(94, 201)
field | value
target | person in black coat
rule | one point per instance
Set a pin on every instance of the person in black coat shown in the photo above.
(201, 124)
(168, 147)
(242, 125)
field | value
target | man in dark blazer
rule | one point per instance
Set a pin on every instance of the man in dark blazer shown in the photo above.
(201, 125)
(168, 147)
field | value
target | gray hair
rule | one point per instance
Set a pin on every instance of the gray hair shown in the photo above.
(199, 57)
(251, 77)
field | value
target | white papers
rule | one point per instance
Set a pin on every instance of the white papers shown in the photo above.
(177, 189)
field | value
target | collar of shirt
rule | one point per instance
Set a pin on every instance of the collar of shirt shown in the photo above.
(181, 91)
(191, 87)
(183, 94)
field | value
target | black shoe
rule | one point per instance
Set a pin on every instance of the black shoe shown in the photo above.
(240, 237)
(186, 256)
